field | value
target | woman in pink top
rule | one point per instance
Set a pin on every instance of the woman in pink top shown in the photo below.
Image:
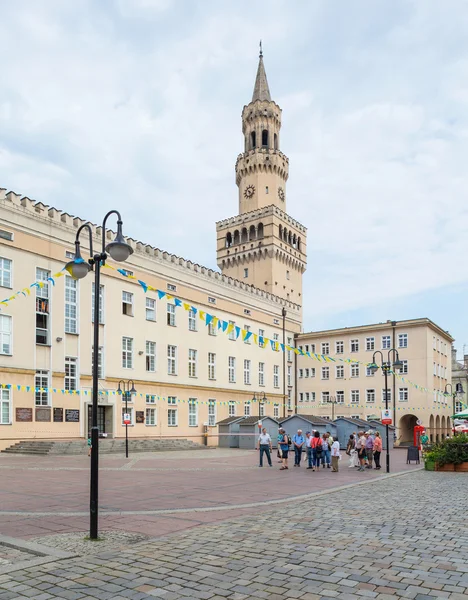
(377, 449)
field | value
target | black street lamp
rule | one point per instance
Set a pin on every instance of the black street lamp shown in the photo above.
(386, 367)
(261, 402)
(78, 268)
(454, 394)
(332, 400)
(125, 391)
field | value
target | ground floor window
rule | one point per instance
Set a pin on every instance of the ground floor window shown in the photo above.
(5, 407)
(212, 413)
(128, 411)
(150, 416)
(172, 417)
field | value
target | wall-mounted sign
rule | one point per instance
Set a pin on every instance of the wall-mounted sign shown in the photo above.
(24, 415)
(43, 414)
(72, 415)
(140, 416)
(58, 415)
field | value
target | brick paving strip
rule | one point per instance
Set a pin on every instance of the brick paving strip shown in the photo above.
(398, 537)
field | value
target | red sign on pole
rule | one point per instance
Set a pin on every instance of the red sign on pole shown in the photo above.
(126, 419)
(386, 417)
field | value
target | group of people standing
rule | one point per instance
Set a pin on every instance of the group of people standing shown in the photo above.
(364, 450)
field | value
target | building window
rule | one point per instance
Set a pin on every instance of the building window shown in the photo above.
(325, 372)
(5, 272)
(100, 362)
(306, 373)
(192, 413)
(150, 399)
(306, 348)
(339, 347)
(212, 329)
(289, 351)
(5, 335)
(355, 416)
(354, 345)
(151, 356)
(247, 409)
(287, 274)
(369, 372)
(246, 273)
(276, 383)
(246, 372)
(355, 370)
(232, 408)
(172, 400)
(340, 397)
(150, 309)
(211, 365)
(312, 372)
(389, 395)
(172, 417)
(247, 339)
(192, 362)
(301, 373)
(5, 407)
(261, 373)
(127, 304)
(289, 376)
(402, 340)
(192, 320)
(370, 396)
(354, 396)
(312, 396)
(325, 348)
(276, 411)
(150, 417)
(41, 383)
(325, 397)
(171, 287)
(339, 371)
(8, 235)
(261, 409)
(307, 395)
(247, 311)
(101, 303)
(458, 406)
(370, 343)
(127, 353)
(232, 369)
(386, 342)
(71, 305)
(211, 300)
(128, 411)
(70, 373)
(404, 369)
(171, 314)
(172, 360)
(301, 397)
(232, 333)
(42, 307)
(434, 342)
(403, 394)
(211, 413)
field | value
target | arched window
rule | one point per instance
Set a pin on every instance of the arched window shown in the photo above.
(281, 232)
(244, 235)
(229, 240)
(289, 238)
(299, 243)
(253, 140)
(265, 138)
(236, 237)
(260, 231)
(275, 140)
(252, 233)
(294, 241)
(285, 234)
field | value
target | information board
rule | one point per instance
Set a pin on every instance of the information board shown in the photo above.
(72, 415)
(43, 414)
(140, 416)
(24, 415)
(58, 415)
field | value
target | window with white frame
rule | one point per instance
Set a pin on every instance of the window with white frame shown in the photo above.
(458, 406)
(307, 397)
(261, 409)
(402, 340)
(435, 369)
(434, 345)
(172, 417)
(232, 408)
(276, 340)
(340, 397)
(339, 370)
(325, 348)
(403, 394)
(171, 287)
(212, 330)
(172, 400)
(354, 369)
(5, 334)
(150, 417)
(339, 347)
(261, 334)
(42, 307)
(325, 372)
(192, 320)
(247, 329)
(386, 342)
(370, 396)
(127, 353)
(355, 416)
(404, 368)
(369, 372)
(306, 348)
(387, 396)
(247, 372)
(192, 362)
(325, 397)
(211, 365)
(312, 348)
(101, 303)
(150, 309)
(276, 411)
(232, 369)
(312, 372)
(312, 396)
(41, 384)
(5, 407)
(232, 333)
(211, 413)
(127, 304)
(246, 272)
(354, 396)
(306, 373)
(261, 373)
(354, 345)
(151, 356)
(5, 272)
(301, 397)
(211, 300)
(193, 412)
(370, 343)
(276, 381)
(289, 376)
(150, 399)
(289, 351)
(71, 305)
(71, 373)
(100, 368)
(301, 373)
(247, 409)
(289, 400)
(300, 348)
(171, 314)
(171, 360)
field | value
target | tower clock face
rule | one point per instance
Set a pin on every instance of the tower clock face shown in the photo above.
(249, 191)
(281, 193)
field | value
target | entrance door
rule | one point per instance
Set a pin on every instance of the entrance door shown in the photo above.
(101, 419)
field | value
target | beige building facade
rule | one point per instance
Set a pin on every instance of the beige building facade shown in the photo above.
(345, 386)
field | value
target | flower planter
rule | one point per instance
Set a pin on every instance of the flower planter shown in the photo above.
(462, 468)
(429, 465)
(447, 467)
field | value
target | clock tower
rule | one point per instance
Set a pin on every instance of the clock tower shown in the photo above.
(263, 246)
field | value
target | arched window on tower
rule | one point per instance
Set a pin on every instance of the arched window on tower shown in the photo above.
(265, 138)
(252, 233)
(281, 232)
(285, 234)
(299, 243)
(260, 231)
(290, 238)
(236, 237)
(244, 235)
(294, 241)
(275, 141)
(253, 140)
(228, 239)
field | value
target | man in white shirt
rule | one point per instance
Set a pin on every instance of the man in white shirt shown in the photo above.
(335, 456)
(264, 443)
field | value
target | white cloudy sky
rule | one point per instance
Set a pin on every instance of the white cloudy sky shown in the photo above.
(135, 104)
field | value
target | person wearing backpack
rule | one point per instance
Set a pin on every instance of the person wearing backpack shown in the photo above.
(326, 449)
(283, 444)
(317, 451)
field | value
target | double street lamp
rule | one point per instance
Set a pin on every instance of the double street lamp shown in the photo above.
(386, 367)
(125, 391)
(332, 400)
(261, 402)
(454, 394)
(119, 250)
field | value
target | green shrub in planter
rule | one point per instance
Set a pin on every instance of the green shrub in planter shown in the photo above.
(451, 451)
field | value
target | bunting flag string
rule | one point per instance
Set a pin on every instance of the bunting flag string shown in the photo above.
(229, 328)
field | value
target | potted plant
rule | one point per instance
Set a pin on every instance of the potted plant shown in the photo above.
(450, 454)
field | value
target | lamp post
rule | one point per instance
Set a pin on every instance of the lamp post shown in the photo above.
(261, 402)
(386, 366)
(332, 400)
(126, 392)
(78, 268)
(454, 394)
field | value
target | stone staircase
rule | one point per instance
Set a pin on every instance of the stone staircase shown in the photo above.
(106, 446)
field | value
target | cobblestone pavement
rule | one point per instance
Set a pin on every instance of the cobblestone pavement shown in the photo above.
(401, 537)
(79, 543)
(9, 556)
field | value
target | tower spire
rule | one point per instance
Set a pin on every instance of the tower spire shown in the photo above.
(261, 89)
